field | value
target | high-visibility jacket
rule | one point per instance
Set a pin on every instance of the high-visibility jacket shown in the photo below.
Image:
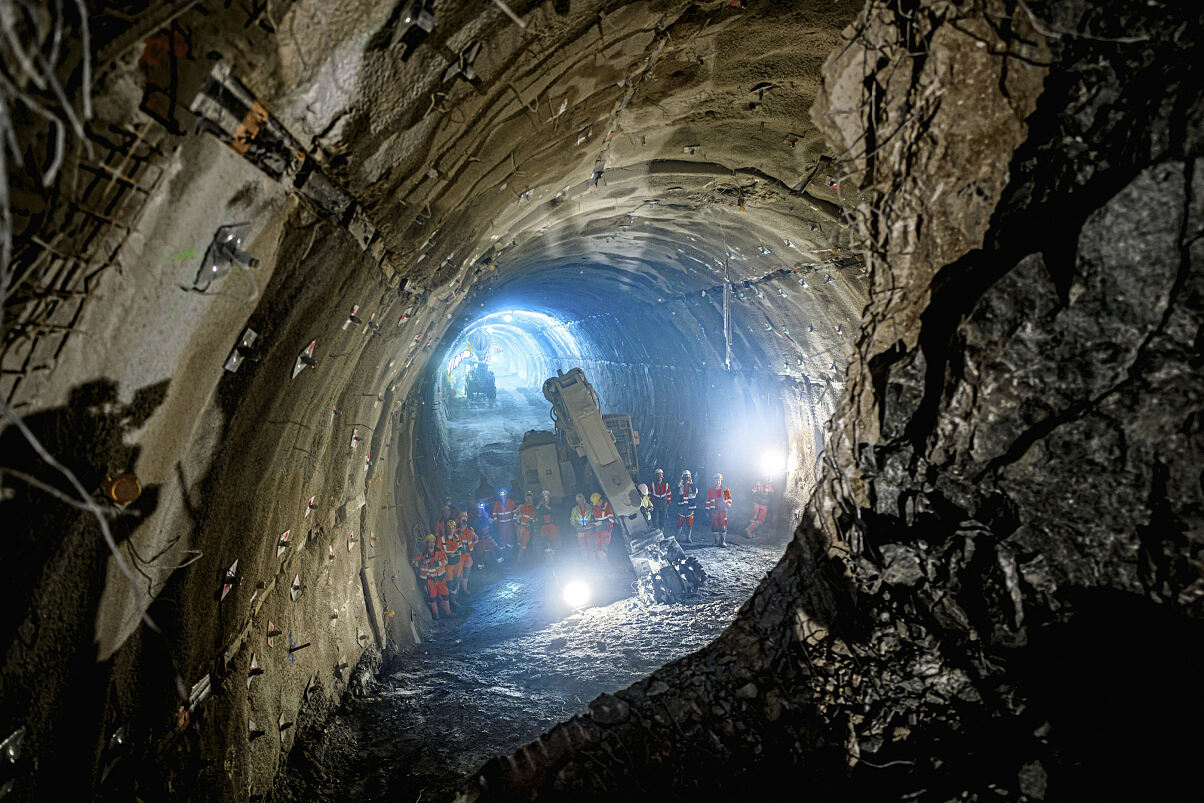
(688, 493)
(761, 491)
(451, 546)
(718, 498)
(431, 564)
(526, 513)
(503, 514)
(661, 492)
(581, 517)
(603, 517)
(468, 540)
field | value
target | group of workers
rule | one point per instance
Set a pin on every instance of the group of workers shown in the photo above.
(446, 562)
(499, 528)
(658, 499)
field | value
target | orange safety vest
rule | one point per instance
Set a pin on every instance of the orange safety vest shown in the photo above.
(503, 514)
(468, 539)
(604, 517)
(450, 544)
(431, 565)
(525, 514)
(715, 495)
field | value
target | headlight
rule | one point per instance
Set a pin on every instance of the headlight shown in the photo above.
(772, 464)
(577, 593)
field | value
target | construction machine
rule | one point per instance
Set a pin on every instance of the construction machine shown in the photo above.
(663, 571)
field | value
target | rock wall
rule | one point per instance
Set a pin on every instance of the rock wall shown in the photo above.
(996, 589)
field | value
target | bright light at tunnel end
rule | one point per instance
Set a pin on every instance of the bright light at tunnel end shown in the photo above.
(577, 593)
(773, 463)
(508, 318)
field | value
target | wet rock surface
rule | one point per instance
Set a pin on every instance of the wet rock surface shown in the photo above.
(513, 663)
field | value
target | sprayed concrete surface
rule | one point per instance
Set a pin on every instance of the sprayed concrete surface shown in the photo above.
(513, 663)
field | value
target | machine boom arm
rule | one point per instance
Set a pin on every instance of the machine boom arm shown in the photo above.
(578, 416)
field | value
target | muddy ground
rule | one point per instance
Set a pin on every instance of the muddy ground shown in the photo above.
(511, 664)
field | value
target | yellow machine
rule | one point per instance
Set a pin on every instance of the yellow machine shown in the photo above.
(606, 444)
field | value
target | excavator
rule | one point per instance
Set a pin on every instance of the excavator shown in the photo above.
(663, 571)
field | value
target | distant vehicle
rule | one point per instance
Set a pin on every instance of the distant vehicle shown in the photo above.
(480, 387)
(552, 461)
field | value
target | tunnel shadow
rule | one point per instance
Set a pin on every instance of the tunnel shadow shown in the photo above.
(51, 679)
(87, 435)
(1119, 685)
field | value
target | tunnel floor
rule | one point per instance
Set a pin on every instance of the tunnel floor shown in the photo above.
(509, 666)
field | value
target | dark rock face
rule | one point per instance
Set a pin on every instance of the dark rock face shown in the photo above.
(997, 587)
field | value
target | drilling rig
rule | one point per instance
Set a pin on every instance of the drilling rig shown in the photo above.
(663, 571)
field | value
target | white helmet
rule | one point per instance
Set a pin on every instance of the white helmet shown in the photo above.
(686, 475)
(643, 489)
(717, 476)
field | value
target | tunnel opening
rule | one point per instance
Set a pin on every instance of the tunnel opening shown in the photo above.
(649, 331)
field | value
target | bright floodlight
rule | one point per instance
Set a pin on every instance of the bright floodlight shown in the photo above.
(772, 463)
(576, 593)
(508, 318)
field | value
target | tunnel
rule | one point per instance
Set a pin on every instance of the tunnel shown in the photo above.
(933, 269)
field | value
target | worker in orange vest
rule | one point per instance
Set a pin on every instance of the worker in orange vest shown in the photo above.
(762, 494)
(603, 525)
(431, 565)
(719, 500)
(449, 542)
(468, 543)
(582, 519)
(525, 516)
(503, 517)
(547, 530)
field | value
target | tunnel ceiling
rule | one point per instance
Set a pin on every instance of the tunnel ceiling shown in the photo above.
(617, 139)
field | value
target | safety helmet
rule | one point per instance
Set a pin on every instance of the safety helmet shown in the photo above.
(686, 475)
(595, 498)
(717, 476)
(660, 471)
(530, 493)
(430, 538)
(464, 516)
(643, 489)
(452, 522)
(547, 493)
